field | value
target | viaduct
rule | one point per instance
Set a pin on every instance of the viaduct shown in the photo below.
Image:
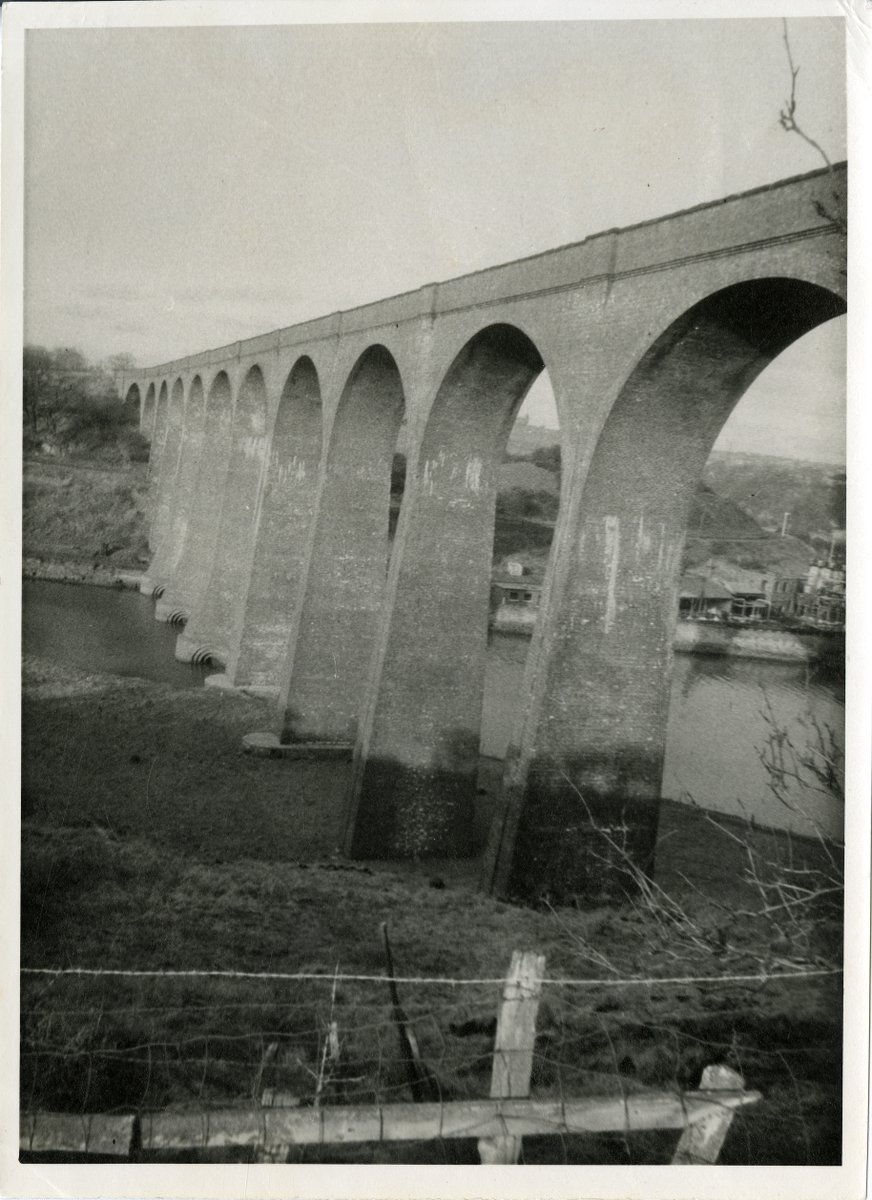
(270, 478)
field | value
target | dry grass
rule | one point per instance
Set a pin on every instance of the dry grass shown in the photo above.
(151, 842)
(79, 513)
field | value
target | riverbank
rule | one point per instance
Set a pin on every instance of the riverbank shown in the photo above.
(696, 637)
(690, 637)
(96, 574)
(778, 645)
(151, 841)
(80, 515)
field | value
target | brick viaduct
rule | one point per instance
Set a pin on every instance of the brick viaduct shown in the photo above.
(270, 476)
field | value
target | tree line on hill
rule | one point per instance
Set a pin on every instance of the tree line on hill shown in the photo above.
(811, 495)
(71, 407)
(739, 496)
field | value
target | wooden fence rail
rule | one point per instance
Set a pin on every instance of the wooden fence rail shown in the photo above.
(274, 1131)
(499, 1123)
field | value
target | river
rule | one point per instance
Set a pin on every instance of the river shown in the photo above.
(105, 630)
(716, 725)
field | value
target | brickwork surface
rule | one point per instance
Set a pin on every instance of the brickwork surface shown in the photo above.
(271, 526)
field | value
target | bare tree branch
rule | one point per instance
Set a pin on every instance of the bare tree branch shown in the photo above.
(787, 116)
(788, 122)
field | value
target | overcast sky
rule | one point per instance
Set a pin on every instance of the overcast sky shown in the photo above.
(188, 187)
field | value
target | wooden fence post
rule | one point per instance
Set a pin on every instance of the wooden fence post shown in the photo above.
(513, 1046)
(702, 1139)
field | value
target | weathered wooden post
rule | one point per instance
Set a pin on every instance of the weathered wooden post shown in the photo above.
(513, 1046)
(703, 1138)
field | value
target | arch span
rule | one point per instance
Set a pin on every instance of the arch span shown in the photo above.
(598, 727)
(414, 782)
(171, 548)
(133, 402)
(334, 629)
(212, 621)
(287, 507)
(146, 423)
(209, 460)
(155, 460)
(169, 465)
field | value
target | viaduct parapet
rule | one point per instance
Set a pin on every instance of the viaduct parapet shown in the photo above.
(270, 480)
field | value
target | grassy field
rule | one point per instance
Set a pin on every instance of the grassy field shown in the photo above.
(85, 513)
(150, 842)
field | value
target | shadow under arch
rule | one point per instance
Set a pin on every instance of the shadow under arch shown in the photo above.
(146, 420)
(208, 465)
(598, 730)
(334, 627)
(287, 508)
(417, 757)
(213, 619)
(133, 403)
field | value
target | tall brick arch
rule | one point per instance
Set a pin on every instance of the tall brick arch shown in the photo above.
(212, 621)
(333, 634)
(208, 459)
(133, 401)
(170, 553)
(612, 615)
(168, 466)
(650, 335)
(286, 510)
(420, 738)
(146, 418)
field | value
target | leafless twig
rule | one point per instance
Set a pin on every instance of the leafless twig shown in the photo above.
(787, 120)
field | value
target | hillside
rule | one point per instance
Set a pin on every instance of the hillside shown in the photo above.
(78, 511)
(526, 437)
(81, 513)
(812, 493)
(527, 475)
(721, 530)
(736, 516)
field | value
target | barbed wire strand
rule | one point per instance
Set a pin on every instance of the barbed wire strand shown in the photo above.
(417, 980)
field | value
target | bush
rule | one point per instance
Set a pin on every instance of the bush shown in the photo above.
(519, 502)
(70, 408)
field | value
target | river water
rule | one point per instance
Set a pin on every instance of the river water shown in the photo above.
(716, 724)
(105, 630)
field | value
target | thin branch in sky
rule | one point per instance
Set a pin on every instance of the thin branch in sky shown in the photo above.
(787, 116)
(787, 119)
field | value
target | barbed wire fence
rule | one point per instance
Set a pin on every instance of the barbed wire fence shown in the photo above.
(291, 1066)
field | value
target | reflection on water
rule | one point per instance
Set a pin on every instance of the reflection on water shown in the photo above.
(716, 728)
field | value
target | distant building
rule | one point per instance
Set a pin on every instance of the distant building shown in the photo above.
(817, 601)
(703, 596)
(784, 593)
(749, 583)
(822, 577)
(822, 610)
(750, 603)
(515, 592)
